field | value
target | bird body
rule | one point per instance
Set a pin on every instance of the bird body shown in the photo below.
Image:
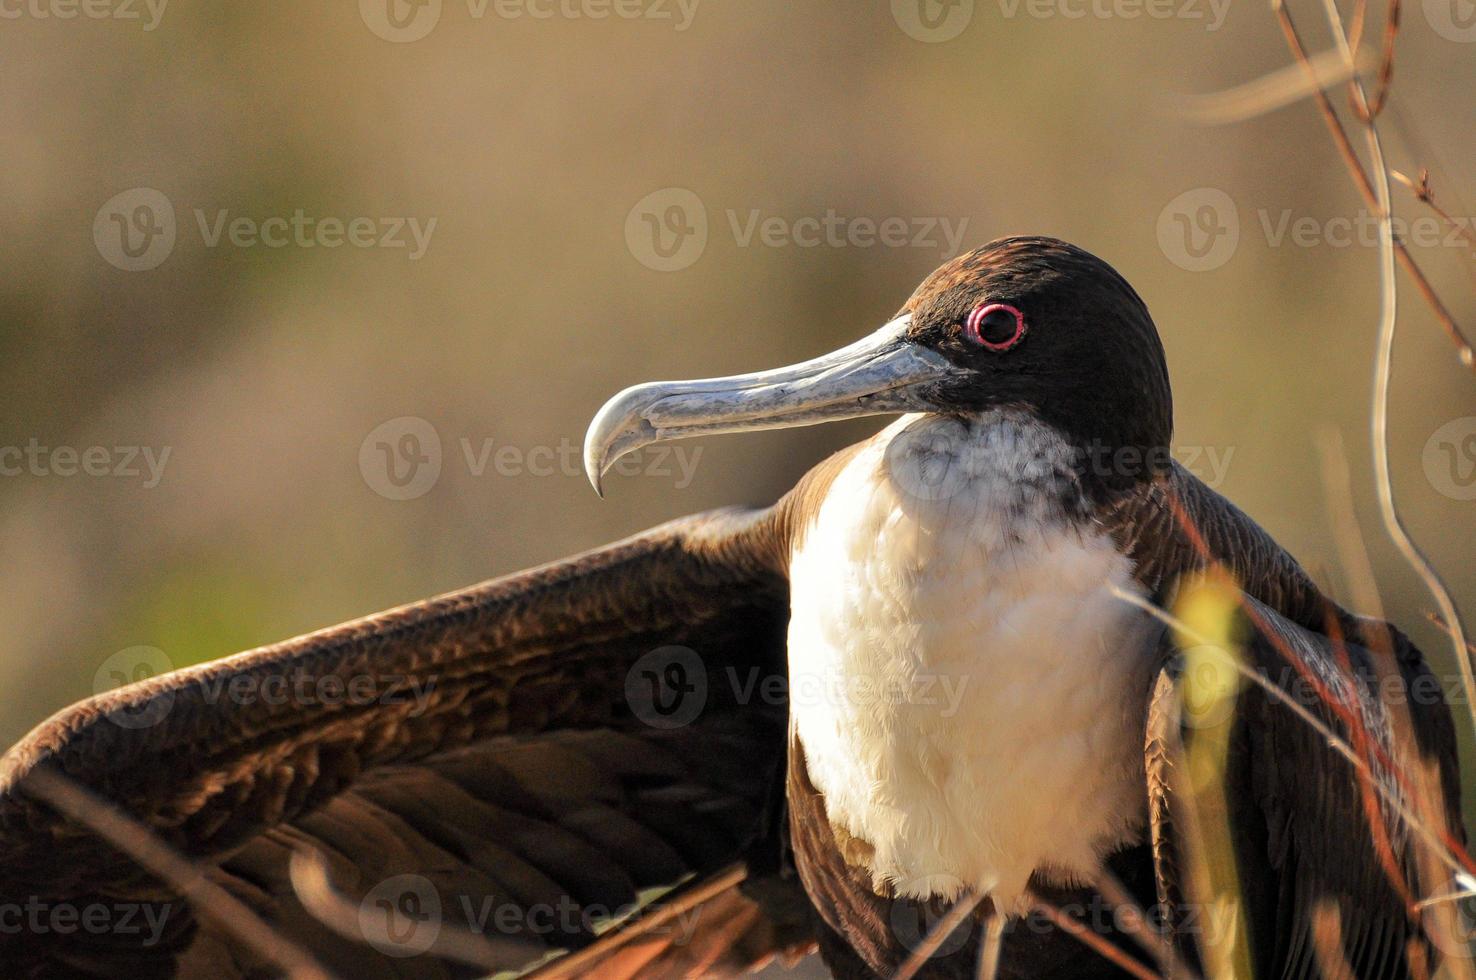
(990, 724)
(983, 714)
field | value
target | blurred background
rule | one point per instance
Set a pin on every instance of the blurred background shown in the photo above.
(306, 307)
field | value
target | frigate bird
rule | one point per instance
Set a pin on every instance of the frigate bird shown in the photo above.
(932, 680)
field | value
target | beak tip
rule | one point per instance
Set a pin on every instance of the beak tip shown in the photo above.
(616, 429)
(593, 472)
(595, 450)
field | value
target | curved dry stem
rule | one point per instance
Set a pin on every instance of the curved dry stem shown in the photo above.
(1383, 371)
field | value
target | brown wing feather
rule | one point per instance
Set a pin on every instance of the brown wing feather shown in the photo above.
(1175, 524)
(1298, 821)
(491, 751)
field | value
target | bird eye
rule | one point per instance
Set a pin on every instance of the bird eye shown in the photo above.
(996, 326)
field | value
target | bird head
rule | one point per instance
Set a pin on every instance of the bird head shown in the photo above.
(1027, 323)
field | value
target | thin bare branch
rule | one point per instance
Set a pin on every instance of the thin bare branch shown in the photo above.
(1347, 535)
(208, 899)
(308, 872)
(1426, 196)
(1383, 371)
(1093, 941)
(1136, 923)
(990, 948)
(942, 929)
(1372, 109)
(1464, 352)
(1445, 628)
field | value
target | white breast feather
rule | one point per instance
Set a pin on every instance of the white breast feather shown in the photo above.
(969, 695)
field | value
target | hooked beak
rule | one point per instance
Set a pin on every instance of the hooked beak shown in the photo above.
(882, 374)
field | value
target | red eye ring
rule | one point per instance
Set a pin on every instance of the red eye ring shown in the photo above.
(974, 326)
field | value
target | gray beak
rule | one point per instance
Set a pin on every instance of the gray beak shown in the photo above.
(882, 374)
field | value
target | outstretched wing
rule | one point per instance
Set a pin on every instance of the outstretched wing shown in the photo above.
(474, 782)
(1329, 855)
